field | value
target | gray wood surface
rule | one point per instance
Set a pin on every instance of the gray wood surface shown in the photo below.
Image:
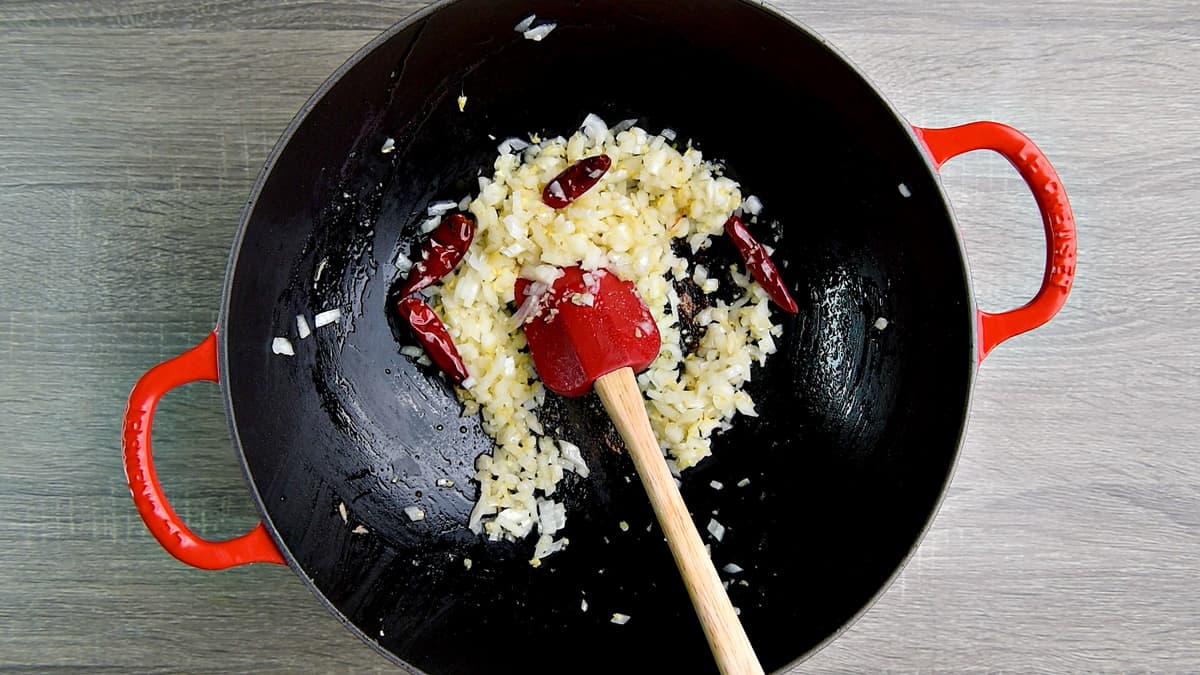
(132, 132)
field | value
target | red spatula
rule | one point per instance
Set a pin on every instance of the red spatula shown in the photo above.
(591, 329)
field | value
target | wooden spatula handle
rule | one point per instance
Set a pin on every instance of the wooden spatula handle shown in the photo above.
(734, 654)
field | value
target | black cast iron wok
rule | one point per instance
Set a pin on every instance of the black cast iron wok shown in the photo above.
(859, 425)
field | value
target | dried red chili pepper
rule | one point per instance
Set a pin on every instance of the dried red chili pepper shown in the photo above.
(441, 253)
(575, 180)
(759, 264)
(432, 335)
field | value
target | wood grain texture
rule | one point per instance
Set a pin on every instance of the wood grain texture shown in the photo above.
(133, 131)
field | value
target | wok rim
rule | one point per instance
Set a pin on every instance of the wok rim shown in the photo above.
(285, 138)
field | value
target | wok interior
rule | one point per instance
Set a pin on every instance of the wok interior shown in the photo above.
(858, 426)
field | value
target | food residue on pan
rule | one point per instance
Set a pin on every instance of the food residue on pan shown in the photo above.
(640, 206)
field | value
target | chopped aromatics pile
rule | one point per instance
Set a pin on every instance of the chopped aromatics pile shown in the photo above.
(627, 201)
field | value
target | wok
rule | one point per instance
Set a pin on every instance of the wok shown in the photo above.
(859, 425)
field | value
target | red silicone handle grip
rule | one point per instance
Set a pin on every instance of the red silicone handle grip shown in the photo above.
(1059, 222)
(198, 363)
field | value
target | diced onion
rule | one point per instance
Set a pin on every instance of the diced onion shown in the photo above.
(302, 328)
(440, 207)
(572, 458)
(524, 24)
(717, 530)
(283, 346)
(594, 128)
(538, 32)
(414, 513)
(403, 264)
(624, 125)
(327, 317)
(511, 145)
(430, 224)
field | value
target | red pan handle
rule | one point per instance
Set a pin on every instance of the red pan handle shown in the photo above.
(198, 363)
(1057, 218)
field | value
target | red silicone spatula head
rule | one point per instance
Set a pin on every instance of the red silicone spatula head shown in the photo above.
(587, 324)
